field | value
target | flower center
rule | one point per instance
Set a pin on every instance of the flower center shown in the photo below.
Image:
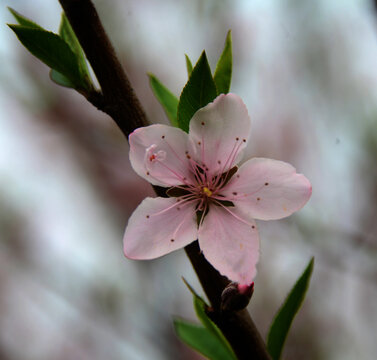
(206, 191)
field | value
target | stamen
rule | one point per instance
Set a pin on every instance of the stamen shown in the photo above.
(234, 215)
(178, 203)
(178, 176)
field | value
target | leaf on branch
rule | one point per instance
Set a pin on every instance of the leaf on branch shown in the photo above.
(166, 98)
(201, 339)
(68, 35)
(223, 72)
(197, 93)
(284, 318)
(22, 20)
(54, 51)
(188, 65)
(214, 334)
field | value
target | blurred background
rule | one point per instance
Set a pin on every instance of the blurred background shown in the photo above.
(307, 73)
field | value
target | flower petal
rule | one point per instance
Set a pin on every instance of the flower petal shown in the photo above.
(230, 244)
(268, 189)
(159, 226)
(219, 132)
(158, 154)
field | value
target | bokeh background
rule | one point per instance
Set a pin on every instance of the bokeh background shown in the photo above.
(307, 72)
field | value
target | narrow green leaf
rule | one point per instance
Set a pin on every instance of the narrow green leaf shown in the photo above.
(201, 339)
(223, 72)
(68, 35)
(53, 51)
(284, 318)
(197, 93)
(22, 20)
(188, 65)
(200, 307)
(167, 99)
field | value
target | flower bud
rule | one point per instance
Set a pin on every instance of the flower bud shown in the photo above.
(236, 297)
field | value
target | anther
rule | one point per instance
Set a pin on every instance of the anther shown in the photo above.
(163, 137)
(237, 138)
(258, 199)
(219, 161)
(147, 216)
(199, 143)
(234, 193)
(202, 122)
(147, 172)
(266, 183)
(188, 156)
(152, 157)
(253, 227)
(172, 240)
(244, 140)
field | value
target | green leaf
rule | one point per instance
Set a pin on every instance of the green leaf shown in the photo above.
(200, 307)
(223, 73)
(53, 51)
(283, 320)
(168, 100)
(22, 20)
(197, 93)
(188, 65)
(68, 35)
(202, 340)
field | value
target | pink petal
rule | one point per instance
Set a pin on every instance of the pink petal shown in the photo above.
(158, 154)
(268, 189)
(157, 227)
(219, 132)
(230, 244)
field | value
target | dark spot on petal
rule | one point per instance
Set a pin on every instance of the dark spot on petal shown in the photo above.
(258, 199)
(266, 183)
(237, 176)
(178, 208)
(234, 193)
(172, 240)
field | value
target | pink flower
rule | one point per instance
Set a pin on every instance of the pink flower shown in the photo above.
(212, 200)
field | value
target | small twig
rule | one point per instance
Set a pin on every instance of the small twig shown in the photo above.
(119, 101)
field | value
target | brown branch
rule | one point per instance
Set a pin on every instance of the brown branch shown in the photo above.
(119, 101)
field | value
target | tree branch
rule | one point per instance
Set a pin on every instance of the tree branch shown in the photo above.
(118, 100)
